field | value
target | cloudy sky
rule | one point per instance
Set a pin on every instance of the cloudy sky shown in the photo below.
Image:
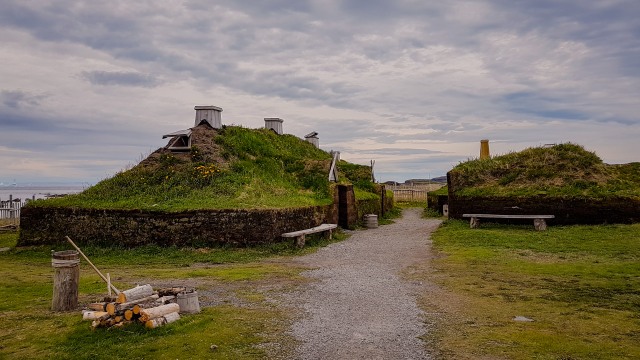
(88, 88)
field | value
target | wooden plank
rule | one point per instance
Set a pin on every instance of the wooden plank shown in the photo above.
(499, 216)
(319, 228)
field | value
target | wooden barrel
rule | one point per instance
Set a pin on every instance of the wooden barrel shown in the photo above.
(188, 302)
(65, 280)
(371, 221)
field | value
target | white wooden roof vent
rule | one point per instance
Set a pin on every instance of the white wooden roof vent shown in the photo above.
(209, 114)
(274, 124)
(313, 138)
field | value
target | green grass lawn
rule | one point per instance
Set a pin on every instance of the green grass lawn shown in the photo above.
(30, 330)
(580, 285)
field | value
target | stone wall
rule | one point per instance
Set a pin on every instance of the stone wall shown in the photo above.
(199, 228)
(44, 225)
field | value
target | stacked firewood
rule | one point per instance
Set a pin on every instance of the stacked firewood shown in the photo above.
(139, 304)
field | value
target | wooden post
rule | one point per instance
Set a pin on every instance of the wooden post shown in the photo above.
(65, 280)
(474, 223)
(540, 224)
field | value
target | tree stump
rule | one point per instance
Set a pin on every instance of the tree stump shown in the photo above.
(65, 280)
(474, 223)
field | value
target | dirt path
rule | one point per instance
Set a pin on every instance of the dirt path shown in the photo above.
(359, 306)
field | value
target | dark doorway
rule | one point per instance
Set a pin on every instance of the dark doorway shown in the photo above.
(343, 208)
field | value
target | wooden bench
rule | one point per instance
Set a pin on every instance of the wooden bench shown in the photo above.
(539, 222)
(300, 234)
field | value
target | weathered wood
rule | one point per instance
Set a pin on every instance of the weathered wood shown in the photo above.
(135, 293)
(173, 291)
(113, 308)
(166, 299)
(538, 220)
(93, 315)
(503, 216)
(99, 306)
(158, 311)
(66, 279)
(300, 235)
(540, 224)
(162, 320)
(188, 302)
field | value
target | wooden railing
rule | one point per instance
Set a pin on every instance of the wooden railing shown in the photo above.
(10, 211)
(412, 193)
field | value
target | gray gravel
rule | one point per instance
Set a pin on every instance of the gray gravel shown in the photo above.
(359, 307)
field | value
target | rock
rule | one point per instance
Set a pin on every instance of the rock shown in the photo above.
(522, 319)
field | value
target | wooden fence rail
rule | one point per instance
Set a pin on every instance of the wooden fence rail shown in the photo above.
(10, 210)
(415, 193)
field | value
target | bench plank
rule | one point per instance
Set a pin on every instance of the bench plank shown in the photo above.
(500, 216)
(300, 234)
(319, 228)
(538, 220)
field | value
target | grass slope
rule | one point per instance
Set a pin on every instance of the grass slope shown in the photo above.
(233, 167)
(580, 285)
(565, 170)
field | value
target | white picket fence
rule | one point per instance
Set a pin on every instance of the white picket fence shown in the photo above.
(10, 210)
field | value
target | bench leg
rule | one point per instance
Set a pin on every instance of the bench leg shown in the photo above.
(330, 234)
(300, 241)
(474, 223)
(540, 224)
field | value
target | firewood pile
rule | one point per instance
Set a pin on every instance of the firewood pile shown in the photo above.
(139, 304)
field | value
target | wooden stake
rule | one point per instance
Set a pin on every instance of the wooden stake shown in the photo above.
(90, 263)
(109, 284)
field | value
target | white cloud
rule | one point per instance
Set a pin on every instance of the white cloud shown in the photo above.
(414, 85)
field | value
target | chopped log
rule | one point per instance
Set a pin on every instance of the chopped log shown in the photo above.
(104, 320)
(93, 315)
(129, 315)
(113, 308)
(162, 320)
(99, 306)
(173, 291)
(118, 318)
(137, 292)
(158, 311)
(166, 299)
(136, 309)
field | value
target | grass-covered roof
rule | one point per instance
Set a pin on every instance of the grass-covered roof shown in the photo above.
(229, 168)
(565, 170)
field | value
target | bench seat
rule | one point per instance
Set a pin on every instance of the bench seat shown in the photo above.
(539, 222)
(300, 234)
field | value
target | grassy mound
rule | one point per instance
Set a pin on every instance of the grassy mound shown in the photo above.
(229, 168)
(565, 170)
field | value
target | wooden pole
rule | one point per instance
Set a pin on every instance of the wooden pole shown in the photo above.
(108, 285)
(93, 266)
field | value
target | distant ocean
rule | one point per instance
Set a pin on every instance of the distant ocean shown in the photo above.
(40, 191)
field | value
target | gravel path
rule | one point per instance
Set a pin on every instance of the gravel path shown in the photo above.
(359, 307)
